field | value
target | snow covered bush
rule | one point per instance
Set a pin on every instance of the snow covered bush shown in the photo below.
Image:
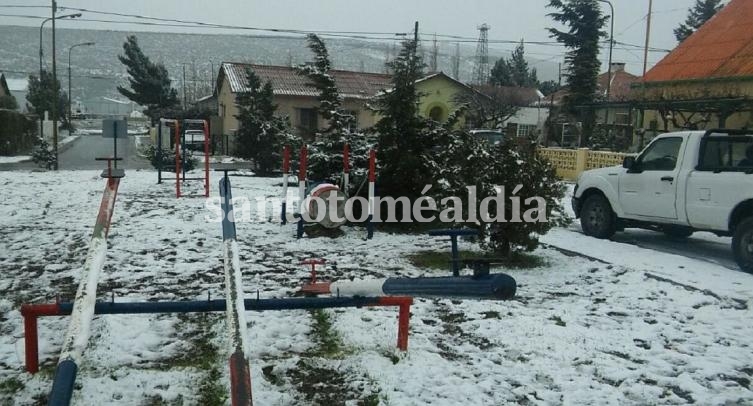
(43, 155)
(165, 159)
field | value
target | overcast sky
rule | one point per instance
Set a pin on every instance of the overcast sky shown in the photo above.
(509, 19)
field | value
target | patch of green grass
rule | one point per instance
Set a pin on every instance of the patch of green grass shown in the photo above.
(11, 386)
(372, 399)
(441, 260)
(328, 342)
(212, 390)
(558, 321)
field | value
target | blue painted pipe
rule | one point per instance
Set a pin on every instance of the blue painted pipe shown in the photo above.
(226, 195)
(62, 387)
(219, 305)
(494, 286)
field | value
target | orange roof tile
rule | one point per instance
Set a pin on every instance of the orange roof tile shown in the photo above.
(723, 47)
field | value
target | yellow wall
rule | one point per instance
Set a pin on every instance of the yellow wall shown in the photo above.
(569, 163)
(439, 92)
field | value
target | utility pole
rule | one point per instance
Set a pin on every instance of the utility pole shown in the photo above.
(648, 35)
(434, 55)
(456, 62)
(56, 91)
(415, 34)
(184, 87)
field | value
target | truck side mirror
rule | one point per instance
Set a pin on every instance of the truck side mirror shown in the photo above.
(628, 162)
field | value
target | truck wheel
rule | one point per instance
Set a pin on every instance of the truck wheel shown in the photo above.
(677, 233)
(742, 245)
(596, 217)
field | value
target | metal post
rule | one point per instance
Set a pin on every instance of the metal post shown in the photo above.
(285, 176)
(648, 35)
(301, 189)
(455, 255)
(609, 71)
(56, 91)
(70, 99)
(372, 182)
(115, 142)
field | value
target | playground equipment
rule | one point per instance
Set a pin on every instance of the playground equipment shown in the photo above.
(240, 376)
(361, 293)
(82, 310)
(177, 143)
(324, 191)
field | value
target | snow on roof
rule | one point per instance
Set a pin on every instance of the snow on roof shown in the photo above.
(286, 81)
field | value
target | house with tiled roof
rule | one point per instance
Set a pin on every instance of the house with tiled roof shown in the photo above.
(295, 96)
(707, 80)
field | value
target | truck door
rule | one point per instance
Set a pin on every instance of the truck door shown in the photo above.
(649, 188)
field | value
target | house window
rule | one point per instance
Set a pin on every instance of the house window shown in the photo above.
(526, 130)
(308, 121)
(621, 118)
(222, 110)
(353, 124)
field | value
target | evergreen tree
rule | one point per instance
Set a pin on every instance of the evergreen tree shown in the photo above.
(330, 101)
(261, 134)
(41, 93)
(548, 87)
(8, 102)
(584, 22)
(149, 82)
(404, 149)
(515, 71)
(701, 12)
(501, 73)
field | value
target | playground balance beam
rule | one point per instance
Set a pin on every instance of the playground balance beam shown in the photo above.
(83, 306)
(31, 312)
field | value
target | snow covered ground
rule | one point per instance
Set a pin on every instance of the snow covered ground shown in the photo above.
(14, 159)
(600, 323)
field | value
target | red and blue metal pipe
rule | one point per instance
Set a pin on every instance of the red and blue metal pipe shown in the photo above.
(285, 176)
(372, 183)
(82, 310)
(302, 174)
(31, 312)
(235, 311)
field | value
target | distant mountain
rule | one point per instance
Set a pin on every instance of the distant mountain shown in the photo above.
(97, 72)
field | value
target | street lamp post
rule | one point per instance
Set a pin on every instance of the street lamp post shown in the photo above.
(70, 115)
(41, 54)
(609, 70)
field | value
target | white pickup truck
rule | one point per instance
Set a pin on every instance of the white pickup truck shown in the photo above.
(682, 182)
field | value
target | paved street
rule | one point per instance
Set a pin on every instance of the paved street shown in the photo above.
(87, 147)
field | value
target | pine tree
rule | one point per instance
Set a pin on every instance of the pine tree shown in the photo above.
(701, 12)
(41, 93)
(261, 134)
(404, 149)
(149, 82)
(584, 22)
(515, 71)
(330, 101)
(501, 73)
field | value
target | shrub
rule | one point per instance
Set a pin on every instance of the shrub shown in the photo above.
(165, 158)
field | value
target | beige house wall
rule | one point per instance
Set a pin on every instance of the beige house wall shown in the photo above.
(685, 90)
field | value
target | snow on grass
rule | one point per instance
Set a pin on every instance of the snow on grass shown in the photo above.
(14, 159)
(626, 326)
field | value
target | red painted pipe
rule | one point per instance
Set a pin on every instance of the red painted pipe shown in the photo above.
(303, 163)
(403, 320)
(240, 379)
(346, 158)
(31, 341)
(286, 160)
(372, 166)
